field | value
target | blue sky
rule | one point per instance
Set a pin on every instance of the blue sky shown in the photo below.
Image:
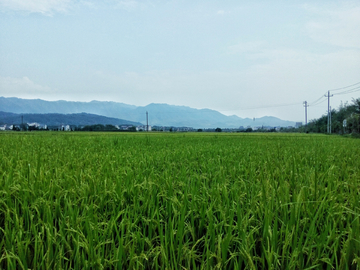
(248, 58)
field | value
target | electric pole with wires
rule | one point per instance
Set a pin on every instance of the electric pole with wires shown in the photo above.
(306, 105)
(329, 113)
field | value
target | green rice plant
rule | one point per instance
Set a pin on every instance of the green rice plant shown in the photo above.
(179, 201)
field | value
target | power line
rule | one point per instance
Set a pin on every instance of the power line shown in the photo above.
(262, 107)
(341, 88)
(348, 91)
(314, 105)
(356, 89)
(315, 102)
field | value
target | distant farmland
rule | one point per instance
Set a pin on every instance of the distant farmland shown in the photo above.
(179, 201)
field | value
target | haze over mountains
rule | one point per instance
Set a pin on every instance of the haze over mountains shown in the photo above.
(159, 114)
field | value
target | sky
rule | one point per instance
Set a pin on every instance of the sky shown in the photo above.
(244, 58)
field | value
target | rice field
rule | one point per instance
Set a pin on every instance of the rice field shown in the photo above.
(179, 201)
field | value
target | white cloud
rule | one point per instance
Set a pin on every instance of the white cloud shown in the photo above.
(46, 7)
(22, 87)
(337, 26)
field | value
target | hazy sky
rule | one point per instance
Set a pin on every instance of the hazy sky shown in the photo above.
(248, 58)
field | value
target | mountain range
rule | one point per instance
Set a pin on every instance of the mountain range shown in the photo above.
(158, 114)
(57, 119)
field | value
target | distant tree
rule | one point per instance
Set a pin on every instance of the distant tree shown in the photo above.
(218, 130)
(110, 128)
(199, 130)
(356, 115)
(132, 129)
(353, 124)
(350, 113)
(356, 105)
(33, 128)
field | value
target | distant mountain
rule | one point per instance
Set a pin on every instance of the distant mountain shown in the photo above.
(56, 119)
(159, 114)
(105, 108)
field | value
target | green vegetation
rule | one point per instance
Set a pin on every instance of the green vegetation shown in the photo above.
(348, 112)
(179, 201)
(100, 127)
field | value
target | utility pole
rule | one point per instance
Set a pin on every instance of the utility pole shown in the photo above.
(147, 122)
(306, 105)
(329, 113)
(330, 119)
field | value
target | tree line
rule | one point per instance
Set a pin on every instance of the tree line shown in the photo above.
(344, 120)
